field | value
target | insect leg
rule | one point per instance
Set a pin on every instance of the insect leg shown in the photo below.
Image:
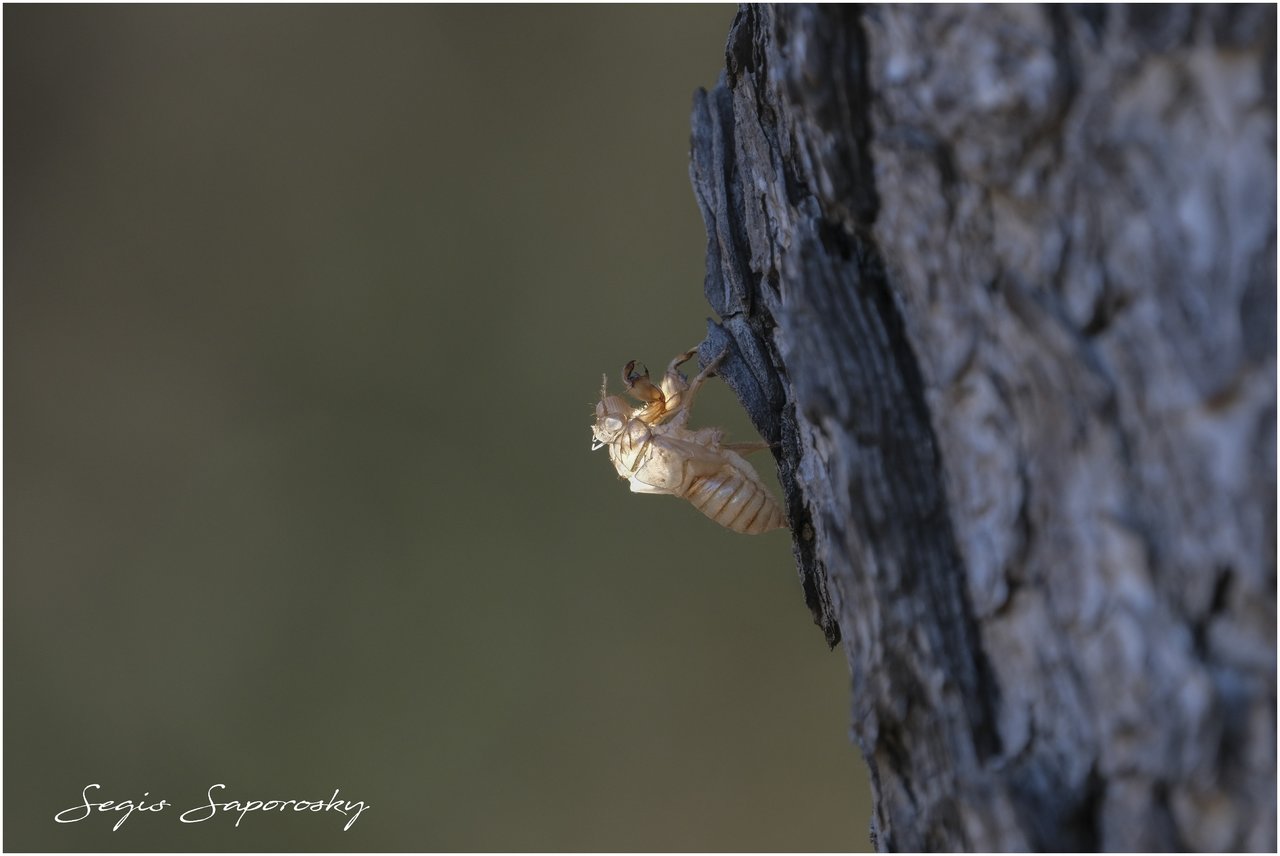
(673, 368)
(748, 448)
(686, 399)
(638, 458)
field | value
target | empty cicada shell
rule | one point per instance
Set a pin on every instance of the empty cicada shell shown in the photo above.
(652, 447)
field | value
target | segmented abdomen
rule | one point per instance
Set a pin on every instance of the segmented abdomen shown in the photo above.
(736, 501)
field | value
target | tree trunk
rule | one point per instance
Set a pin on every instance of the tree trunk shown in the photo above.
(1000, 281)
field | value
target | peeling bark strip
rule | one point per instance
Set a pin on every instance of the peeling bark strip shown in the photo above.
(1001, 283)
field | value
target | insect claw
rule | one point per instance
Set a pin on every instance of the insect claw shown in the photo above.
(639, 385)
(630, 376)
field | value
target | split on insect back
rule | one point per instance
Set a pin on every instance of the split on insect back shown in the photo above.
(652, 447)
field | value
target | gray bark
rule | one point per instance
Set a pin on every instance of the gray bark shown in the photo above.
(1000, 282)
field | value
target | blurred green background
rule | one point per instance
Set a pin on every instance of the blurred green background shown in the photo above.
(305, 314)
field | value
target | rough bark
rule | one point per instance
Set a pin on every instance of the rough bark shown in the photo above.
(1000, 281)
